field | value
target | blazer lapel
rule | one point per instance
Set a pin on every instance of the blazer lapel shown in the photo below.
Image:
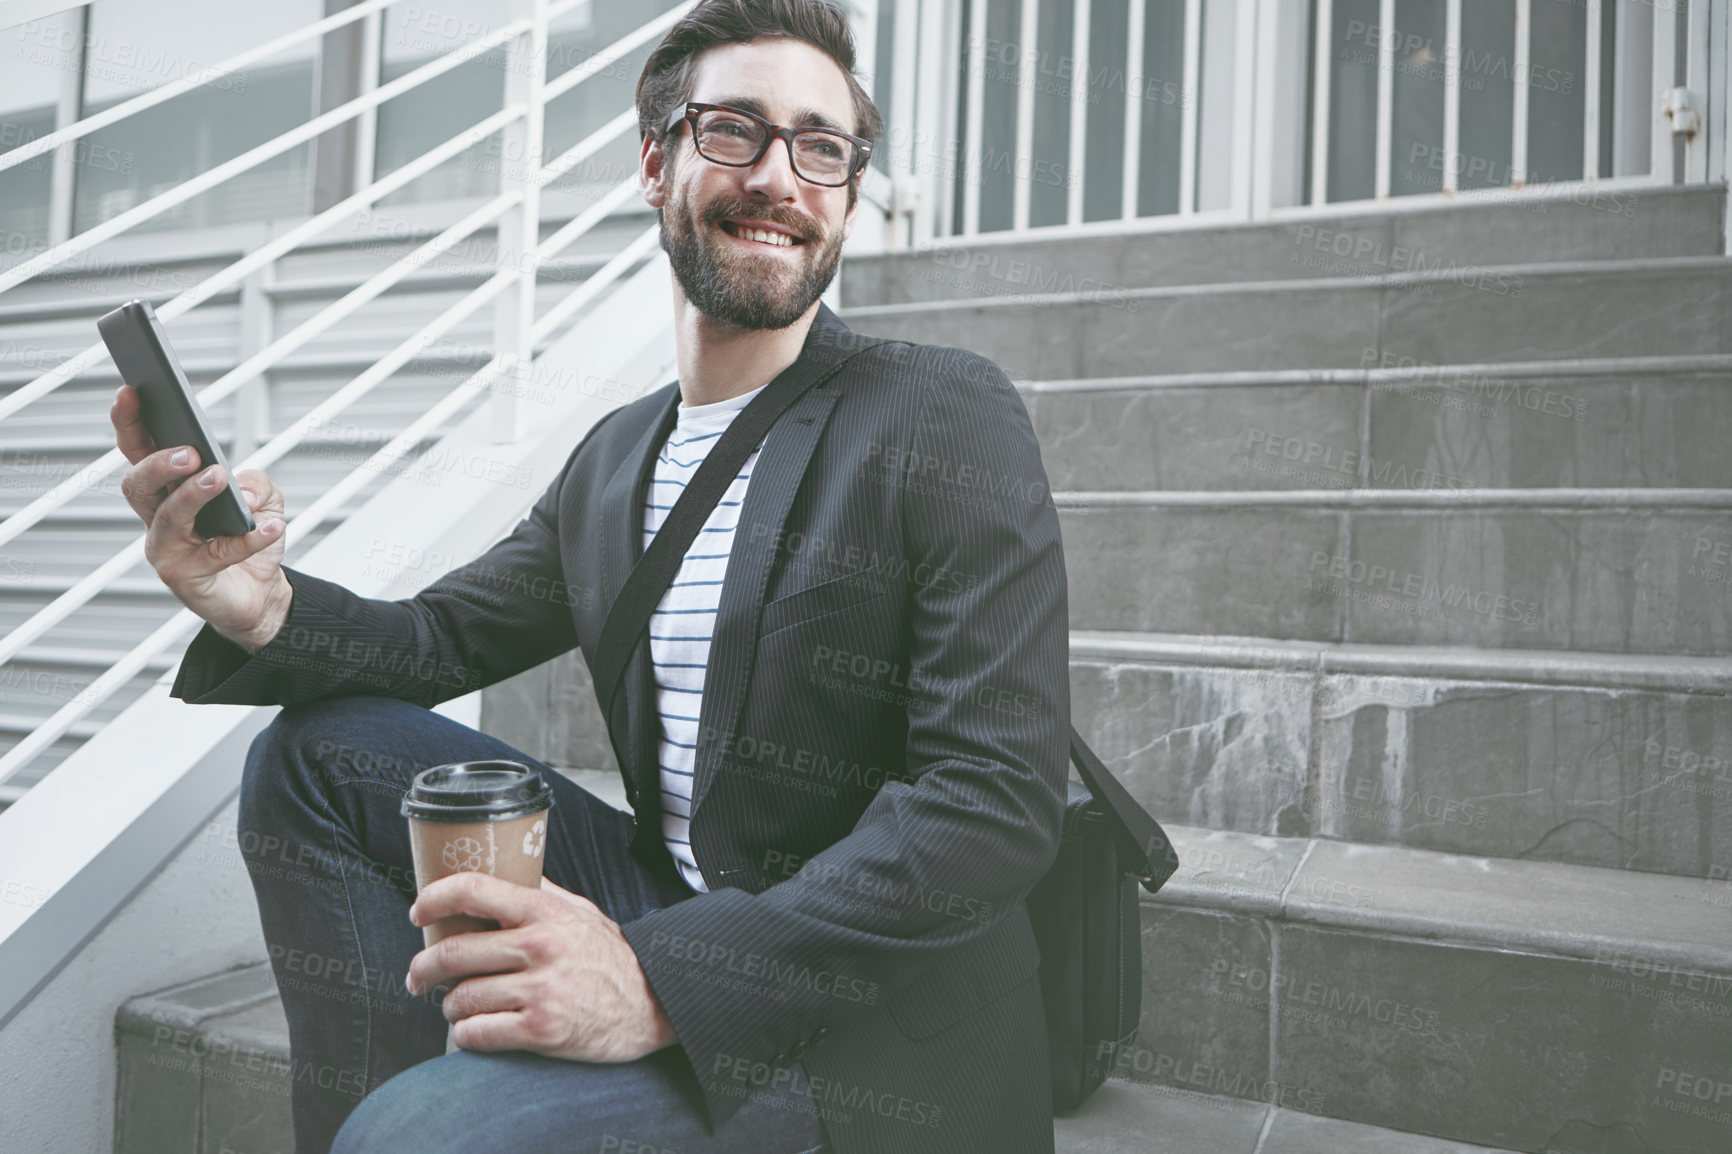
(781, 464)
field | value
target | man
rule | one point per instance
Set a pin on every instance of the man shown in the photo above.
(844, 737)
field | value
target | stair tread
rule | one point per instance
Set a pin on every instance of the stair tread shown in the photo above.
(1125, 1117)
(1308, 285)
(1573, 911)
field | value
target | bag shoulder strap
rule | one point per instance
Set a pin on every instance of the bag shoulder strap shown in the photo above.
(1145, 851)
(649, 578)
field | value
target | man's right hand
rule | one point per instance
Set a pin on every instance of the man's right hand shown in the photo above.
(235, 583)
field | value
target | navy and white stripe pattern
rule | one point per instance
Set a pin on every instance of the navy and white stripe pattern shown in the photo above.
(684, 621)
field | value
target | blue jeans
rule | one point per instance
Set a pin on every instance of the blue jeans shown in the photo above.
(328, 852)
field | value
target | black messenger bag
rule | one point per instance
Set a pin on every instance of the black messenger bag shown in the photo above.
(1085, 918)
(1084, 910)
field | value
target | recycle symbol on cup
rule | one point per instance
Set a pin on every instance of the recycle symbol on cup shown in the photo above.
(462, 854)
(535, 841)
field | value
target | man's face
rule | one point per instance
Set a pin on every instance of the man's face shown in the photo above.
(709, 210)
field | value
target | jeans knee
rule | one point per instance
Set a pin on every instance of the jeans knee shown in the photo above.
(304, 750)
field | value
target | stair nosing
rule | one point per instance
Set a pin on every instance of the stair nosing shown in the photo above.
(1438, 374)
(1591, 499)
(1657, 672)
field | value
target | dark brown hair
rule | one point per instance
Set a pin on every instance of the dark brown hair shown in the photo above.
(666, 81)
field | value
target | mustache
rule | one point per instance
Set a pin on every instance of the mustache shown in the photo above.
(736, 208)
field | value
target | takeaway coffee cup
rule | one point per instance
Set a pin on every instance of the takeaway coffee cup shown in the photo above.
(481, 816)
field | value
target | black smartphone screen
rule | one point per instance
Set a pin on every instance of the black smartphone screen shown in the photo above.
(171, 414)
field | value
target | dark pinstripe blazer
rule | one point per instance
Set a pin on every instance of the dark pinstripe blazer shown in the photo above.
(883, 735)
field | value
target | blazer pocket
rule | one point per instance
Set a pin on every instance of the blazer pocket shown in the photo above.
(816, 601)
(956, 988)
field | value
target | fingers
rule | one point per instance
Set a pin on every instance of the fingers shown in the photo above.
(174, 538)
(263, 494)
(487, 994)
(502, 1031)
(465, 955)
(480, 895)
(129, 431)
(153, 476)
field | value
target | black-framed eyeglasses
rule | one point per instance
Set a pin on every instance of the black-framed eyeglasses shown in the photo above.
(739, 139)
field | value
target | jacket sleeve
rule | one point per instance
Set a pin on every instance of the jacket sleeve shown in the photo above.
(746, 977)
(504, 612)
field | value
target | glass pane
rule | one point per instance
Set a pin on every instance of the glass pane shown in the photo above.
(603, 96)
(1104, 151)
(999, 87)
(1353, 101)
(1165, 106)
(1416, 116)
(134, 48)
(33, 59)
(1560, 46)
(437, 110)
(1054, 69)
(1487, 93)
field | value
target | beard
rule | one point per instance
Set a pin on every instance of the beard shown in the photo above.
(749, 290)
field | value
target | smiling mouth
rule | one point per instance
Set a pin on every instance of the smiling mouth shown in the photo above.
(760, 235)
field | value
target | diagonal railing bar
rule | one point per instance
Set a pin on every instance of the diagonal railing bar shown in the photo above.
(210, 178)
(562, 238)
(577, 74)
(93, 583)
(587, 147)
(326, 504)
(591, 288)
(203, 76)
(238, 271)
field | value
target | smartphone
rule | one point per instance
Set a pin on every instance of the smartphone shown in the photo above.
(171, 413)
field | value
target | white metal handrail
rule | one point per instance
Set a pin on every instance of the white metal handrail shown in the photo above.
(514, 347)
(321, 509)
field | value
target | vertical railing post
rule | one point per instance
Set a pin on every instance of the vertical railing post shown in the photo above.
(367, 124)
(1696, 72)
(904, 125)
(1452, 94)
(1663, 77)
(1385, 98)
(1027, 51)
(1321, 80)
(1245, 81)
(68, 107)
(1191, 107)
(1079, 103)
(975, 78)
(1519, 75)
(1267, 70)
(1132, 147)
(1591, 95)
(520, 165)
(252, 400)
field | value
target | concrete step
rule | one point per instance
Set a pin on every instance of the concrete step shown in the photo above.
(206, 1066)
(1296, 993)
(1610, 761)
(1653, 223)
(1611, 571)
(1638, 422)
(1527, 1005)
(1506, 313)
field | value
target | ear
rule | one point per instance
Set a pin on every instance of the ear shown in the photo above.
(848, 220)
(652, 172)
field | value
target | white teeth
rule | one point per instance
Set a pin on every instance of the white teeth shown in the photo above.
(759, 234)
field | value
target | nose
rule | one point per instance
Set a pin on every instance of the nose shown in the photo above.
(773, 176)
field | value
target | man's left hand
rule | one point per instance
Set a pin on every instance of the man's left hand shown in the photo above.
(556, 978)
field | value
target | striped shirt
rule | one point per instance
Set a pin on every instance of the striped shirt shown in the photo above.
(683, 623)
